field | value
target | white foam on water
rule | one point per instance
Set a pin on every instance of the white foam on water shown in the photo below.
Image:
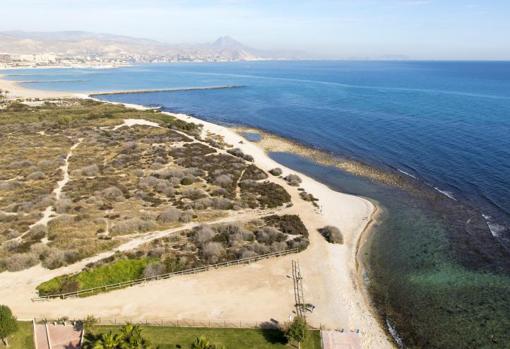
(394, 334)
(406, 173)
(446, 193)
(495, 228)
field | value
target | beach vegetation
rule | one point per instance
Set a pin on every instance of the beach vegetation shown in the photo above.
(293, 180)
(252, 172)
(276, 171)
(239, 153)
(332, 234)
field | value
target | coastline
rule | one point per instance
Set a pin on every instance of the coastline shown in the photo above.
(355, 216)
(18, 91)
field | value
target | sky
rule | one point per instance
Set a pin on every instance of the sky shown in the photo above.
(331, 29)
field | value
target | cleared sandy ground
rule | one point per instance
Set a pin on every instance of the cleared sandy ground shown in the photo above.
(250, 293)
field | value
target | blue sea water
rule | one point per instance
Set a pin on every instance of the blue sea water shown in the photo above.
(447, 123)
(439, 269)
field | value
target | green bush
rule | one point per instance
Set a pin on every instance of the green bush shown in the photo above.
(8, 324)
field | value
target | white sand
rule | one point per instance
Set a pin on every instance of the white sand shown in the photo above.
(251, 293)
(18, 91)
(134, 122)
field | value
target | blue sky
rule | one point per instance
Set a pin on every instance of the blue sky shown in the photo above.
(416, 29)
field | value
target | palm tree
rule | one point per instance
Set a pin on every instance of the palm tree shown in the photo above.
(202, 343)
(130, 337)
(103, 341)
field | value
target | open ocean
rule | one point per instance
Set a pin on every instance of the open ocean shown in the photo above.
(439, 261)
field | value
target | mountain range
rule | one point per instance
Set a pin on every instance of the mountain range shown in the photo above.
(77, 43)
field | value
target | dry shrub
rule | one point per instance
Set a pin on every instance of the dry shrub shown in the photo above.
(10, 246)
(169, 215)
(212, 252)
(37, 232)
(63, 205)
(22, 261)
(36, 175)
(244, 253)
(223, 180)
(9, 185)
(293, 180)
(194, 194)
(278, 246)
(40, 249)
(268, 235)
(332, 234)
(89, 171)
(186, 216)
(44, 201)
(203, 234)
(222, 203)
(46, 164)
(276, 171)
(153, 270)
(220, 192)
(113, 193)
(55, 259)
(201, 204)
(132, 225)
(19, 164)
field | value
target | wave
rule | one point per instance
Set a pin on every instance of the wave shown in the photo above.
(406, 173)
(446, 193)
(496, 229)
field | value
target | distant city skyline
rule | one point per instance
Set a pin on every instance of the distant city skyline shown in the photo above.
(343, 29)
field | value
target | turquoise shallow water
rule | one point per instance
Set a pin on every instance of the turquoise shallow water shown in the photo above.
(440, 260)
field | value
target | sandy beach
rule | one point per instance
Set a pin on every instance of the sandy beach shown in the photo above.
(251, 293)
(18, 91)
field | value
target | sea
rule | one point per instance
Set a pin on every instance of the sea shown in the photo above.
(438, 261)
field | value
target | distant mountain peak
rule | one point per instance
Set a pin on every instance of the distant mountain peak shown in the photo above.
(227, 42)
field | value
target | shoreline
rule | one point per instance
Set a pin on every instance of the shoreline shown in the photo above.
(18, 91)
(361, 237)
(358, 225)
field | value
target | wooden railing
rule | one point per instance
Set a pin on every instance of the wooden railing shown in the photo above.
(104, 288)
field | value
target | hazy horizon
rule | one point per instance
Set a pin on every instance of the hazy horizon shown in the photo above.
(325, 29)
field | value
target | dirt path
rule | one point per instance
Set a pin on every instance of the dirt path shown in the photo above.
(49, 212)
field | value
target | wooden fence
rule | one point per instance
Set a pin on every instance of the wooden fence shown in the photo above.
(104, 288)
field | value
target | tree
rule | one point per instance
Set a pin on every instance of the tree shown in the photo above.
(104, 341)
(8, 324)
(297, 330)
(130, 337)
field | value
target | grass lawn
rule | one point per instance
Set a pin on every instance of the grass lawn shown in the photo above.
(179, 337)
(23, 338)
(119, 271)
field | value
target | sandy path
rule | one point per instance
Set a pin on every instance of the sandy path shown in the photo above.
(49, 212)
